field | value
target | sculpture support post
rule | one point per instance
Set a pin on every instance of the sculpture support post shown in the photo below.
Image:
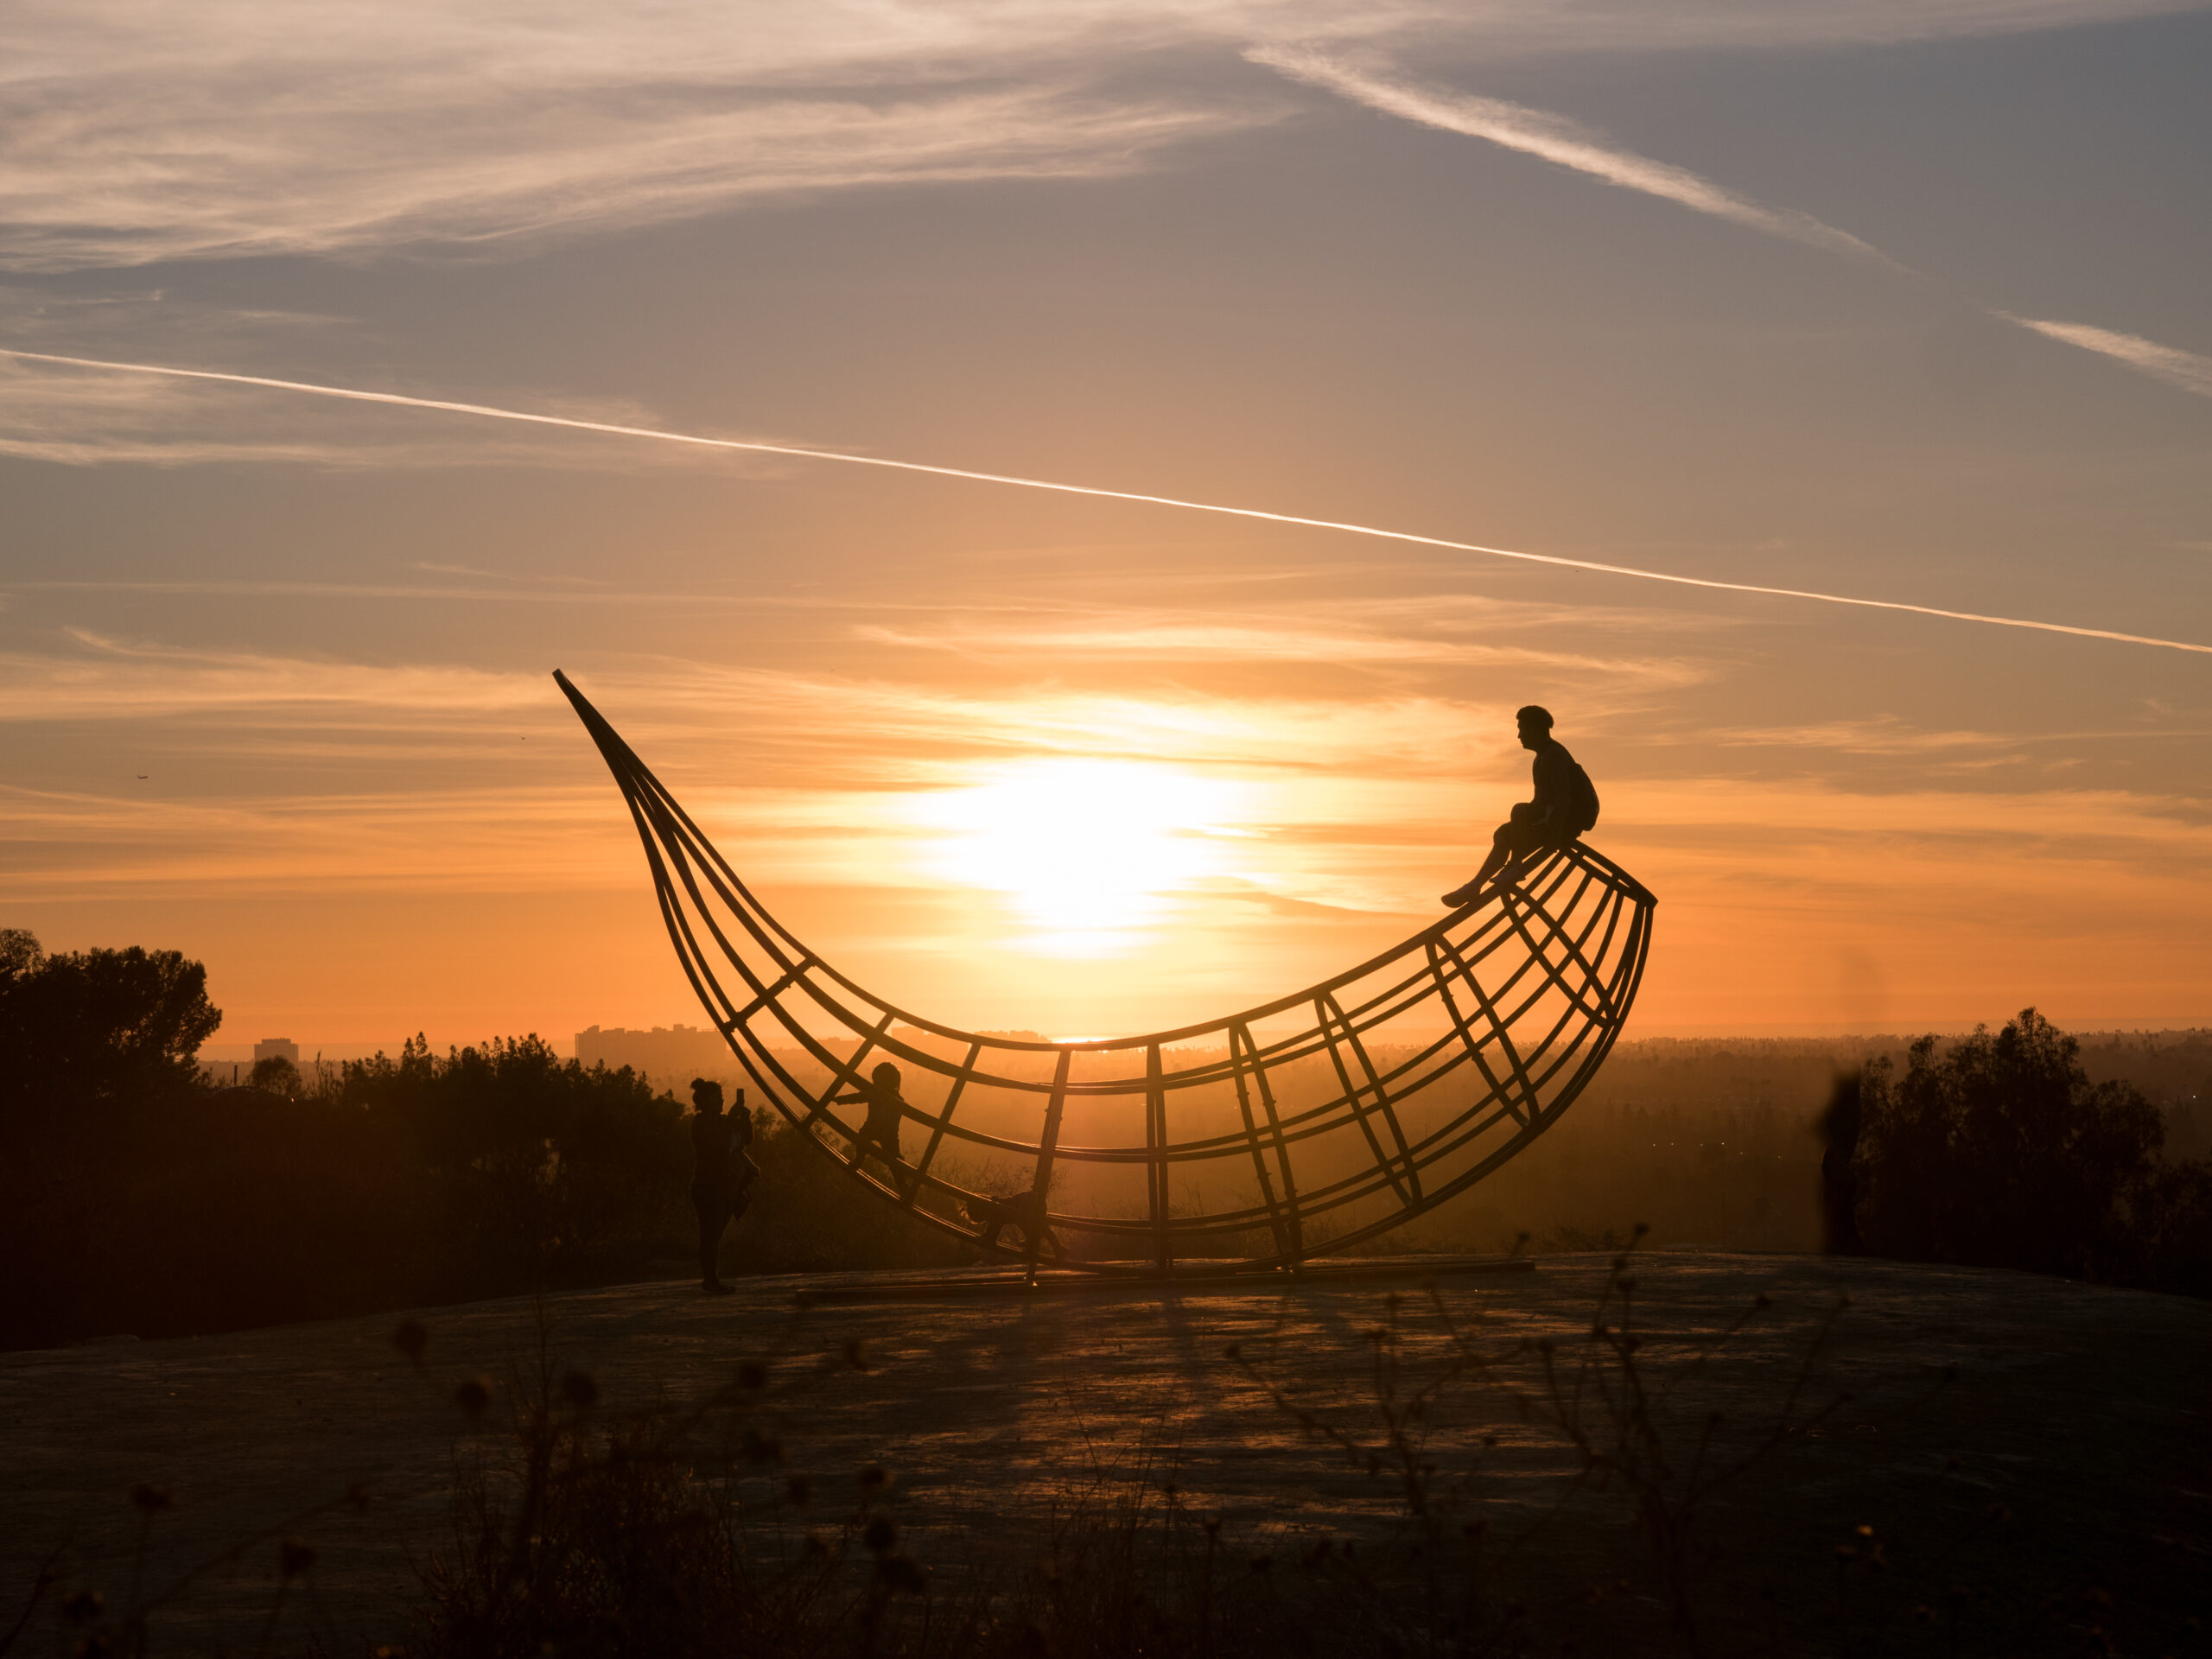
(1040, 1194)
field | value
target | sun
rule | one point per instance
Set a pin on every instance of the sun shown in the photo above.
(1091, 853)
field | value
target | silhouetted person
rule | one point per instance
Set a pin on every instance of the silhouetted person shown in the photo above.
(1566, 805)
(722, 1174)
(886, 1107)
(1839, 1181)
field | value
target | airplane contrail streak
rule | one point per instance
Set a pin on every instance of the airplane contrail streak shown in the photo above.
(1567, 143)
(488, 412)
(1560, 141)
(2187, 369)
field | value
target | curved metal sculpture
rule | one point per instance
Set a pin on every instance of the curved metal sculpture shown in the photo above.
(1254, 1141)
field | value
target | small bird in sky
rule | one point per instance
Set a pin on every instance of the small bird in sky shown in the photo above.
(141, 777)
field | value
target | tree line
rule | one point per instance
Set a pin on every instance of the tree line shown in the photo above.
(136, 1196)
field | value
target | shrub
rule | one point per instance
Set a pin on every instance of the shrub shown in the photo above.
(2001, 1152)
(135, 1197)
(541, 1170)
(807, 1215)
(89, 1039)
(2172, 1235)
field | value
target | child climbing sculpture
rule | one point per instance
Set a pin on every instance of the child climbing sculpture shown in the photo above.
(722, 1173)
(886, 1106)
(1566, 805)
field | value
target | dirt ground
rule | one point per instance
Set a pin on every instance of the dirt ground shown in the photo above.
(2031, 1459)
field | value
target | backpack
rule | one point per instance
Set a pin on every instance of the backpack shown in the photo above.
(1581, 801)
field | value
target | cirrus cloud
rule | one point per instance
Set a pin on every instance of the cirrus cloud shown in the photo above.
(137, 132)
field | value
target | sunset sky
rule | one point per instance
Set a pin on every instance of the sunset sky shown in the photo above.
(1901, 300)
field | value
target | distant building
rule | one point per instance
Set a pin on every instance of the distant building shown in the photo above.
(276, 1048)
(678, 1051)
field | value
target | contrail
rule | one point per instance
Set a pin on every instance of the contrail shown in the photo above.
(1561, 142)
(1568, 143)
(2167, 363)
(486, 411)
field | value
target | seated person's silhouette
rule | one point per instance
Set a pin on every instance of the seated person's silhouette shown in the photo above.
(1566, 805)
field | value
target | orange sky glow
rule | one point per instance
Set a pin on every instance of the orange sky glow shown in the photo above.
(1761, 298)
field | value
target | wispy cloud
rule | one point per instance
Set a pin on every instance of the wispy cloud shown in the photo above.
(1888, 735)
(554, 590)
(2187, 369)
(1568, 143)
(1504, 27)
(837, 772)
(109, 678)
(278, 771)
(257, 128)
(1560, 141)
(885, 727)
(517, 837)
(529, 578)
(140, 131)
(1433, 631)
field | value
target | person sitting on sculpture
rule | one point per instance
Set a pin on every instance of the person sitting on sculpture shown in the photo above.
(1022, 1211)
(722, 1174)
(886, 1107)
(1566, 805)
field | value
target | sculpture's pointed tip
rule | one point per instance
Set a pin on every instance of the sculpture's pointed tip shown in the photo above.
(569, 690)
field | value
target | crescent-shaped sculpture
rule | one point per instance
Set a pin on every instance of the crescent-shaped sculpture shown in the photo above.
(1258, 1140)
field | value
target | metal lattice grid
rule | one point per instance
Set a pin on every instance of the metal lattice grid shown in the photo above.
(1306, 1123)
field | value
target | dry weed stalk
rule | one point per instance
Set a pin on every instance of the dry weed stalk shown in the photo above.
(1626, 1430)
(1631, 1433)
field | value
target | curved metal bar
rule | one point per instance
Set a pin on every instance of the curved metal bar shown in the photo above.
(1513, 1002)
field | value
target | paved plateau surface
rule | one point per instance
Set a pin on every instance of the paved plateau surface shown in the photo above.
(2033, 1456)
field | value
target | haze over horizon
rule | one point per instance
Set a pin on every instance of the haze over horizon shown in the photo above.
(1892, 302)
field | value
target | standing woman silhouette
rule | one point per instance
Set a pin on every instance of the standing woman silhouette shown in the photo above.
(722, 1176)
